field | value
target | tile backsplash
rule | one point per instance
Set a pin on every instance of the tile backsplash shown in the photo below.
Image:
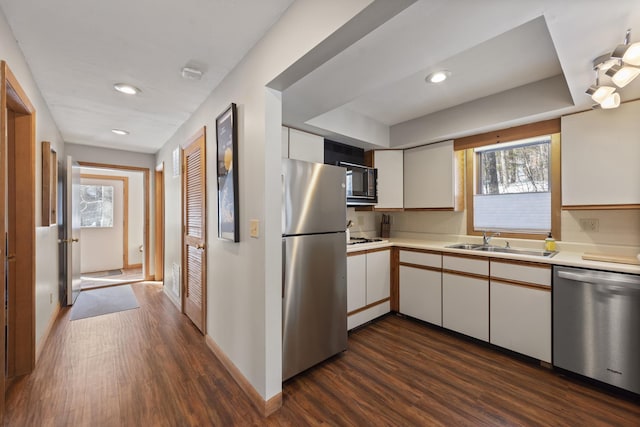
(614, 227)
(365, 224)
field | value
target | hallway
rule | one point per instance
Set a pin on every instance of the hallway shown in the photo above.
(138, 367)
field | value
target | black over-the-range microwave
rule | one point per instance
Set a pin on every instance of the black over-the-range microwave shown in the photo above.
(361, 185)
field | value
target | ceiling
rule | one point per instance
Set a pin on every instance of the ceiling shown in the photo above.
(77, 50)
(511, 63)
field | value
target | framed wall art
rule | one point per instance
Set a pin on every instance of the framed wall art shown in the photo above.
(227, 170)
(49, 184)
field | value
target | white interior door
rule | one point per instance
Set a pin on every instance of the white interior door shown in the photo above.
(73, 230)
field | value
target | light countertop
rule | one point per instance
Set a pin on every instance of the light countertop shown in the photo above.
(566, 258)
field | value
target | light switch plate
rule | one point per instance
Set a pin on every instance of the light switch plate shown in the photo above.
(254, 228)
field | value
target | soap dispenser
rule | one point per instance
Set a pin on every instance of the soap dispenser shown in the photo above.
(550, 243)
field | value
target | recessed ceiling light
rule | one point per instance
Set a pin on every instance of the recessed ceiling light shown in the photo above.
(126, 89)
(438, 76)
(120, 132)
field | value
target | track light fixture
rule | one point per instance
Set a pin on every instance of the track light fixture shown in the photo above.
(621, 67)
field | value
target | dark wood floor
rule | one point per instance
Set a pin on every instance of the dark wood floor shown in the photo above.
(151, 367)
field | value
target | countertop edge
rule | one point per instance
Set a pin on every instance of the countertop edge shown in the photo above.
(563, 258)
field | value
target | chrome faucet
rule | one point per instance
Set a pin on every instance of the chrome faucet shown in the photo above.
(486, 239)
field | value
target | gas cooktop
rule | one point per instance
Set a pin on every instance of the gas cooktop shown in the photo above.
(357, 240)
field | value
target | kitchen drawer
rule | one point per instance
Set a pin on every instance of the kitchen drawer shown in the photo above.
(427, 259)
(473, 265)
(539, 274)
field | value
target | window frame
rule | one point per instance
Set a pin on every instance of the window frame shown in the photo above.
(550, 127)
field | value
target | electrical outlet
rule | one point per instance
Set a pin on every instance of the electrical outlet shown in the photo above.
(590, 225)
(254, 228)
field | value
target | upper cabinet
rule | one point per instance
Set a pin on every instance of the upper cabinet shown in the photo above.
(600, 153)
(430, 177)
(302, 145)
(389, 164)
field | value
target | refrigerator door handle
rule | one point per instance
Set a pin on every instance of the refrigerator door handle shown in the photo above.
(284, 264)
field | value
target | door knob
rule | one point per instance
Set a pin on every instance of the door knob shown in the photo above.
(200, 246)
(11, 257)
(75, 240)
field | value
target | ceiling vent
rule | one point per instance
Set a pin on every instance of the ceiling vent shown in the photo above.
(191, 73)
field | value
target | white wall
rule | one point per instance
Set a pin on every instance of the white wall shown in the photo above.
(244, 279)
(47, 294)
(86, 153)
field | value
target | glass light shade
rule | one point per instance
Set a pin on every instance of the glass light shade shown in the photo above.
(630, 54)
(622, 75)
(126, 89)
(600, 93)
(438, 76)
(612, 101)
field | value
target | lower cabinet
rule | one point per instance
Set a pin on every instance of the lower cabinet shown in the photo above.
(521, 319)
(378, 276)
(368, 286)
(356, 282)
(421, 294)
(521, 308)
(465, 305)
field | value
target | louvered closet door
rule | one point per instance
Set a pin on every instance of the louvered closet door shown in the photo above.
(194, 226)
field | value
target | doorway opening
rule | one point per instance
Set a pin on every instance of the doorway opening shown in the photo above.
(158, 186)
(114, 219)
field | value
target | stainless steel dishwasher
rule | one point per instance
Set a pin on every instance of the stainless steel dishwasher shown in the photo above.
(596, 325)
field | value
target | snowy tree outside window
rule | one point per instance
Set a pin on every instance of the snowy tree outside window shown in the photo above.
(513, 191)
(96, 206)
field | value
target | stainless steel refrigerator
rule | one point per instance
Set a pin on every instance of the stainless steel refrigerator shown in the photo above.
(314, 264)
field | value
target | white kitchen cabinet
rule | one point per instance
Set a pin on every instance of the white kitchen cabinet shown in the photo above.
(600, 153)
(378, 276)
(306, 146)
(521, 319)
(390, 166)
(285, 142)
(520, 309)
(429, 176)
(368, 285)
(421, 294)
(465, 295)
(356, 282)
(465, 305)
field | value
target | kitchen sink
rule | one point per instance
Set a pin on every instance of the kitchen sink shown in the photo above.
(465, 246)
(547, 254)
(499, 249)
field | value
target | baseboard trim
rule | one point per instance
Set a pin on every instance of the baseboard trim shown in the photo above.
(265, 407)
(47, 332)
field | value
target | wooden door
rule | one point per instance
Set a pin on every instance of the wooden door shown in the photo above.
(194, 234)
(3, 254)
